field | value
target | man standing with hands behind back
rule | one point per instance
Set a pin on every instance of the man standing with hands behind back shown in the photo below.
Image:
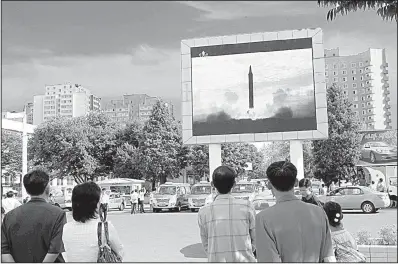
(291, 231)
(33, 231)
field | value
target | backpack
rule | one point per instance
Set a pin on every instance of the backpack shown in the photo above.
(105, 254)
(348, 254)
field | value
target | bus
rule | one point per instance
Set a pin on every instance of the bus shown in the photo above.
(123, 186)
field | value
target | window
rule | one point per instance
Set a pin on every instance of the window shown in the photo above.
(369, 110)
(354, 78)
(360, 71)
(335, 73)
(363, 98)
(369, 89)
(344, 92)
(363, 105)
(362, 85)
(335, 66)
(368, 103)
(361, 64)
(343, 65)
(353, 71)
(369, 117)
(70, 181)
(355, 99)
(327, 66)
(344, 79)
(356, 113)
(326, 79)
(354, 85)
(354, 191)
(326, 73)
(367, 82)
(344, 72)
(59, 182)
(353, 65)
(345, 85)
(354, 92)
(363, 119)
(362, 78)
(363, 112)
(335, 79)
(355, 106)
(368, 96)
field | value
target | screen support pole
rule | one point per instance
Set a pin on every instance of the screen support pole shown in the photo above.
(296, 157)
(214, 158)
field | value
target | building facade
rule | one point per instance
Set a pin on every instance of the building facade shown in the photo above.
(364, 80)
(69, 100)
(133, 107)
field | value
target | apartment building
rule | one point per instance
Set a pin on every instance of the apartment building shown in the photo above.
(364, 79)
(69, 100)
(137, 107)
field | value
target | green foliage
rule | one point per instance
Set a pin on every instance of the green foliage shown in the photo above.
(126, 162)
(198, 159)
(388, 235)
(386, 9)
(11, 154)
(161, 145)
(81, 147)
(332, 157)
(364, 237)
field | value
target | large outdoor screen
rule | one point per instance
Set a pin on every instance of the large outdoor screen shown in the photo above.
(253, 88)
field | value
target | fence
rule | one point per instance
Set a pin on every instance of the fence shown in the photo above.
(379, 253)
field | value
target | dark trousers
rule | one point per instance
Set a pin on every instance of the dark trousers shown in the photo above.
(133, 208)
(141, 205)
(103, 211)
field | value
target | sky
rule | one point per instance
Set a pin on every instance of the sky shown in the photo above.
(116, 48)
(220, 83)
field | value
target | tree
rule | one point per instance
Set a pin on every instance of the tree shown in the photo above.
(161, 145)
(333, 156)
(386, 9)
(237, 155)
(11, 155)
(199, 159)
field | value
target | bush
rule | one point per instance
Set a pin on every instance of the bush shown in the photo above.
(388, 235)
(364, 238)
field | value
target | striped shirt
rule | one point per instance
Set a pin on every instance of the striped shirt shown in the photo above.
(227, 229)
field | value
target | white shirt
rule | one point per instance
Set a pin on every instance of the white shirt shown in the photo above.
(81, 241)
(142, 196)
(10, 204)
(134, 197)
(104, 198)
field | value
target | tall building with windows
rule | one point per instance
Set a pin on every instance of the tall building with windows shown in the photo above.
(364, 79)
(69, 100)
(137, 107)
(29, 113)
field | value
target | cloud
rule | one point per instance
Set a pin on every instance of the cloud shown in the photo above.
(145, 54)
(215, 10)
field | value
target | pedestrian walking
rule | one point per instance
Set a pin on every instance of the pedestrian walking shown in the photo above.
(33, 231)
(307, 194)
(80, 236)
(151, 200)
(227, 224)
(104, 204)
(344, 244)
(10, 202)
(134, 201)
(291, 231)
(141, 200)
(380, 186)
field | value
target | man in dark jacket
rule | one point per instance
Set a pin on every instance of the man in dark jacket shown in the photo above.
(307, 194)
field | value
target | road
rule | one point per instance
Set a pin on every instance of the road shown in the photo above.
(174, 237)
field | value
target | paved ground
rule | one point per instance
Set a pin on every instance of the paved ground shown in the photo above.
(174, 237)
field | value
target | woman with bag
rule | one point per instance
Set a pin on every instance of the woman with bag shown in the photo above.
(344, 244)
(87, 239)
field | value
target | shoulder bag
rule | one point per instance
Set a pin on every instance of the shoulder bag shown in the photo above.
(105, 254)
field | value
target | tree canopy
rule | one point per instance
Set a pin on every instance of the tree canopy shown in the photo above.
(11, 154)
(334, 156)
(386, 9)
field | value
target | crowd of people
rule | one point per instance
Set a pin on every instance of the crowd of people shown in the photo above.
(292, 230)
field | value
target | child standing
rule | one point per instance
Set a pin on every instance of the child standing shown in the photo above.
(344, 244)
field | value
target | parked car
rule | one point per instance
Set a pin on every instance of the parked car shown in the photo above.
(116, 201)
(171, 196)
(199, 195)
(378, 151)
(61, 200)
(357, 198)
(245, 190)
(263, 200)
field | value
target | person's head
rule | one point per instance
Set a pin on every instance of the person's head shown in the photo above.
(373, 182)
(323, 185)
(282, 175)
(380, 180)
(103, 190)
(224, 179)
(305, 187)
(334, 213)
(135, 190)
(36, 183)
(85, 201)
(10, 194)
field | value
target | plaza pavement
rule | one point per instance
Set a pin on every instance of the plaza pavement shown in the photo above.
(174, 237)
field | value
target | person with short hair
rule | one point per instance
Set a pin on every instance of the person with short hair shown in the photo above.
(380, 186)
(33, 231)
(80, 236)
(10, 203)
(104, 204)
(307, 195)
(291, 231)
(227, 224)
(373, 186)
(141, 200)
(134, 201)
